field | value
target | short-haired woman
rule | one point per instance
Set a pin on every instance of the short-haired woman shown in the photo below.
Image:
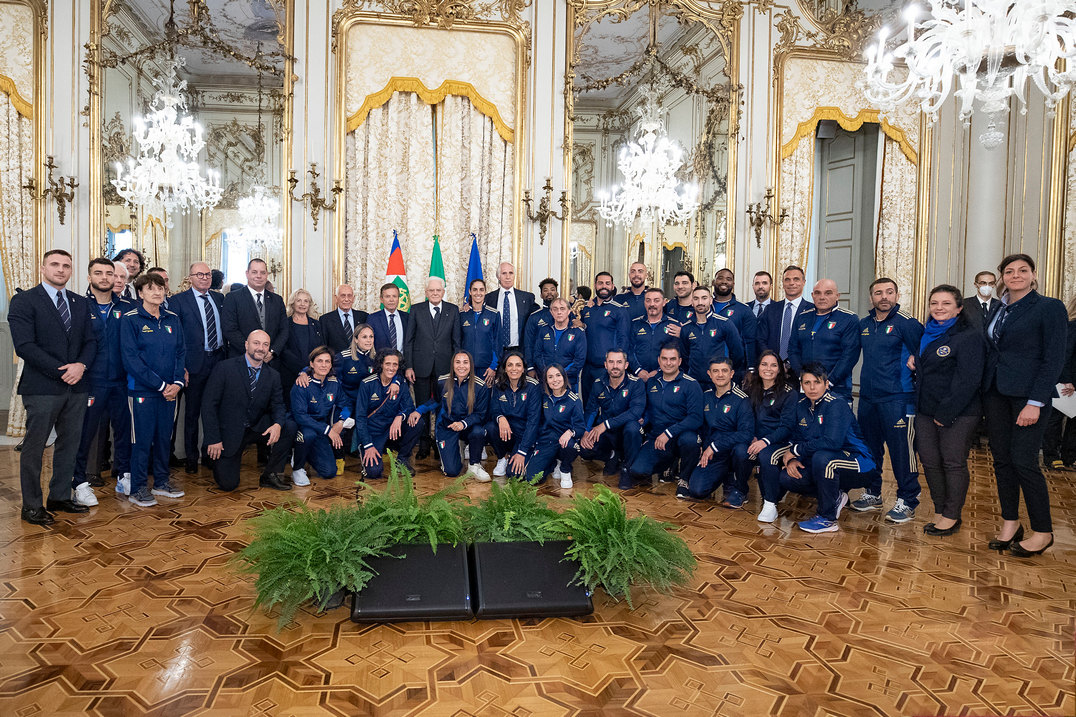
(321, 421)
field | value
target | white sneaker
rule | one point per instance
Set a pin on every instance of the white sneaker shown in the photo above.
(123, 484)
(565, 479)
(479, 473)
(501, 469)
(768, 514)
(51, 439)
(84, 494)
(841, 502)
(466, 452)
(483, 454)
(299, 477)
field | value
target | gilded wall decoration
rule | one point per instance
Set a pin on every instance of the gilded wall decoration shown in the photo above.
(441, 13)
(583, 166)
(16, 47)
(1068, 242)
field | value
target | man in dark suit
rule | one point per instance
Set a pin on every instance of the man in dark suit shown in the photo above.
(775, 326)
(200, 311)
(243, 403)
(339, 326)
(978, 307)
(432, 337)
(761, 285)
(134, 262)
(50, 327)
(514, 305)
(254, 307)
(390, 323)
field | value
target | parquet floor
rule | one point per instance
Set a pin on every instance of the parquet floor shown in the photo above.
(129, 612)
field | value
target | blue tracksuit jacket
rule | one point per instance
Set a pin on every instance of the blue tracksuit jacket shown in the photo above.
(828, 425)
(673, 407)
(107, 368)
(153, 350)
(743, 318)
(702, 342)
(607, 328)
(645, 341)
(480, 335)
(458, 411)
(569, 350)
(376, 409)
(558, 414)
(314, 407)
(728, 420)
(886, 347)
(831, 340)
(616, 407)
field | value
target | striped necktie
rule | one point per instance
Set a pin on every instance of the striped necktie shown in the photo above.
(210, 325)
(65, 312)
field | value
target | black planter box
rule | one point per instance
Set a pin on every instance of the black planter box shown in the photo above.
(526, 580)
(419, 585)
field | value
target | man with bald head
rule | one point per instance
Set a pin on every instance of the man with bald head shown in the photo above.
(829, 336)
(339, 326)
(431, 337)
(199, 310)
(632, 299)
(514, 305)
(242, 404)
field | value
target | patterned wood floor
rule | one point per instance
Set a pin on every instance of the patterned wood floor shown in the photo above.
(129, 612)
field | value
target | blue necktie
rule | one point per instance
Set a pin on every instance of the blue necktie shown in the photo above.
(392, 329)
(506, 320)
(210, 325)
(253, 377)
(65, 313)
(786, 329)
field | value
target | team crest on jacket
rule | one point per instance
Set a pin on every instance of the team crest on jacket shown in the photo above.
(624, 393)
(676, 389)
(168, 329)
(485, 322)
(571, 337)
(607, 312)
(522, 397)
(116, 313)
(713, 333)
(889, 329)
(820, 420)
(727, 409)
(944, 350)
(560, 409)
(329, 396)
(831, 324)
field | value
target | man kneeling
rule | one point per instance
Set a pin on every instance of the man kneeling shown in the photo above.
(615, 407)
(728, 422)
(827, 456)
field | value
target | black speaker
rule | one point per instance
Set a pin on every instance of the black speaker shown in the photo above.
(526, 580)
(419, 585)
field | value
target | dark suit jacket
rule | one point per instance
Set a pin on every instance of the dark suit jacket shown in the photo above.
(229, 407)
(524, 305)
(41, 341)
(380, 324)
(428, 349)
(769, 324)
(295, 354)
(974, 310)
(332, 327)
(1030, 354)
(240, 317)
(191, 311)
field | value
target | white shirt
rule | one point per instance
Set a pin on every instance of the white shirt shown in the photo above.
(394, 317)
(795, 303)
(763, 304)
(513, 330)
(255, 294)
(52, 291)
(433, 306)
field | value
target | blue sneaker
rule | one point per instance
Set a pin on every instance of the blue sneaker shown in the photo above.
(733, 499)
(866, 502)
(901, 513)
(682, 492)
(818, 524)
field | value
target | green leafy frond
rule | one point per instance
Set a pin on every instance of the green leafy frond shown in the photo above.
(512, 512)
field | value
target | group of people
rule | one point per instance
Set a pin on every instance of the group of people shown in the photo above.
(699, 388)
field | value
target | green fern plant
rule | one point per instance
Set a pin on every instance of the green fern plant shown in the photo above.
(408, 518)
(299, 554)
(512, 512)
(616, 552)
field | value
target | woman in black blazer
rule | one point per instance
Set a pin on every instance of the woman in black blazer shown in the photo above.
(304, 336)
(948, 375)
(1059, 445)
(1025, 339)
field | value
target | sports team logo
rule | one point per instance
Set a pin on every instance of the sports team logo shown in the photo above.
(168, 329)
(944, 350)
(560, 409)
(889, 329)
(116, 313)
(571, 337)
(329, 396)
(713, 333)
(676, 389)
(820, 420)
(727, 409)
(141, 399)
(831, 324)
(624, 393)
(607, 312)
(485, 322)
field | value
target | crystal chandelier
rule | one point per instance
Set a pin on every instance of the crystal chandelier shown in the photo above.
(258, 230)
(651, 191)
(169, 140)
(981, 51)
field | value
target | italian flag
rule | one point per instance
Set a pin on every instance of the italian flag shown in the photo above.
(437, 263)
(396, 274)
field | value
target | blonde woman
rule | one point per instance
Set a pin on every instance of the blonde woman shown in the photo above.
(304, 336)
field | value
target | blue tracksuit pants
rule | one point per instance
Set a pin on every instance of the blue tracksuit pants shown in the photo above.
(889, 424)
(448, 445)
(152, 417)
(825, 475)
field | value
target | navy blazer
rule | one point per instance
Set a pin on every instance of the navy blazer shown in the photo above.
(191, 312)
(42, 342)
(332, 328)
(1029, 356)
(769, 324)
(380, 324)
(525, 306)
(974, 310)
(240, 317)
(229, 407)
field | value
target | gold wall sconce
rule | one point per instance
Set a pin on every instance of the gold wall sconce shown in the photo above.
(544, 213)
(758, 217)
(317, 202)
(63, 191)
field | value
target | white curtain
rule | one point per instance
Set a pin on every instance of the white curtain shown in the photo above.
(16, 223)
(895, 243)
(797, 195)
(391, 182)
(474, 191)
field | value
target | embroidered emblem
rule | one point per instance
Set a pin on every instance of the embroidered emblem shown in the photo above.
(773, 401)
(607, 312)
(676, 389)
(329, 396)
(560, 409)
(820, 420)
(889, 329)
(116, 313)
(830, 324)
(713, 333)
(624, 393)
(571, 337)
(727, 409)
(803, 421)
(944, 350)
(373, 396)
(141, 399)
(168, 329)
(89, 401)
(146, 329)
(485, 322)
(466, 323)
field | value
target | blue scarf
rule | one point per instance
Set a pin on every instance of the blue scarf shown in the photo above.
(933, 331)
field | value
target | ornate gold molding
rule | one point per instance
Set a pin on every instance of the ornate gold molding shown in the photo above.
(441, 13)
(431, 97)
(21, 105)
(850, 124)
(844, 34)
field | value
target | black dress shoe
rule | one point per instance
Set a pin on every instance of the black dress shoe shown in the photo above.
(191, 466)
(37, 516)
(1018, 551)
(95, 480)
(65, 506)
(1000, 545)
(207, 462)
(932, 529)
(275, 481)
(423, 450)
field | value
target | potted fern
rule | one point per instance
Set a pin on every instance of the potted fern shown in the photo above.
(519, 566)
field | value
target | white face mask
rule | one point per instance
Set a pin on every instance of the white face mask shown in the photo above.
(986, 291)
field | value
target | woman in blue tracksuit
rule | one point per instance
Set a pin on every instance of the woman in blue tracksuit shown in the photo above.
(314, 407)
(480, 333)
(461, 416)
(514, 408)
(774, 402)
(553, 443)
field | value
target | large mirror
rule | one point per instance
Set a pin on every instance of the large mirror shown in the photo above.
(233, 60)
(623, 54)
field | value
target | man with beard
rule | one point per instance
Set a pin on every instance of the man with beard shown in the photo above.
(680, 307)
(707, 337)
(606, 324)
(887, 399)
(632, 299)
(775, 327)
(648, 333)
(829, 336)
(725, 304)
(617, 402)
(538, 320)
(761, 286)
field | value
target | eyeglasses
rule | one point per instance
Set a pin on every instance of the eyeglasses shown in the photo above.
(202, 275)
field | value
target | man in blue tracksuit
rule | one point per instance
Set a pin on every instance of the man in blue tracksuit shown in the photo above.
(680, 307)
(827, 335)
(826, 457)
(633, 299)
(606, 324)
(728, 422)
(888, 337)
(672, 420)
(648, 333)
(709, 336)
(613, 413)
(739, 313)
(151, 339)
(562, 344)
(538, 320)
(381, 416)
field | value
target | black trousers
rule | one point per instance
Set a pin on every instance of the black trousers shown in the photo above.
(1016, 459)
(425, 389)
(192, 405)
(43, 412)
(943, 455)
(226, 468)
(1059, 443)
